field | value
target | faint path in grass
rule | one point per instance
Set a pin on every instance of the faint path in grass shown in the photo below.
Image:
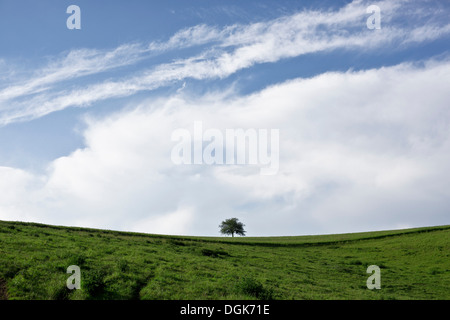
(320, 240)
(3, 290)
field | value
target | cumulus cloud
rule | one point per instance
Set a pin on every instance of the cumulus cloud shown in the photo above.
(371, 153)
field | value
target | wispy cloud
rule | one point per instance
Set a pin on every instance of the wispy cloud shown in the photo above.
(76, 63)
(223, 51)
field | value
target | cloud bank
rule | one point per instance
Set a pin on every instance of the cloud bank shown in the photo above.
(359, 151)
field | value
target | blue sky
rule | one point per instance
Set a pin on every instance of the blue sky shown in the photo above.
(86, 115)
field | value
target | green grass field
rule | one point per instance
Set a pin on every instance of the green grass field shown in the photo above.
(414, 263)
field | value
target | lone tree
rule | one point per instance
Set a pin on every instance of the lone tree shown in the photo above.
(232, 226)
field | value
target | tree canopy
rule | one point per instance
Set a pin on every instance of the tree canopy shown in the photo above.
(232, 226)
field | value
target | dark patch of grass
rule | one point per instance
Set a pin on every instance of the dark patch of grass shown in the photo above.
(214, 253)
(252, 287)
(77, 260)
(93, 282)
(122, 265)
(356, 262)
(177, 243)
(9, 270)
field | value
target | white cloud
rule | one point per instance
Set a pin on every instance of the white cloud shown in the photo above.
(358, 151)
(74, 64)
(229, 50)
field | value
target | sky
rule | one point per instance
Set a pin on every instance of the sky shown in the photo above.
(359, 99)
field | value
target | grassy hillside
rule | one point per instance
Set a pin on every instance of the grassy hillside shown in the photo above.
(415, 264)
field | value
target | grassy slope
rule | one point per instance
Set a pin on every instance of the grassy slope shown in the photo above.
(414, 264)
